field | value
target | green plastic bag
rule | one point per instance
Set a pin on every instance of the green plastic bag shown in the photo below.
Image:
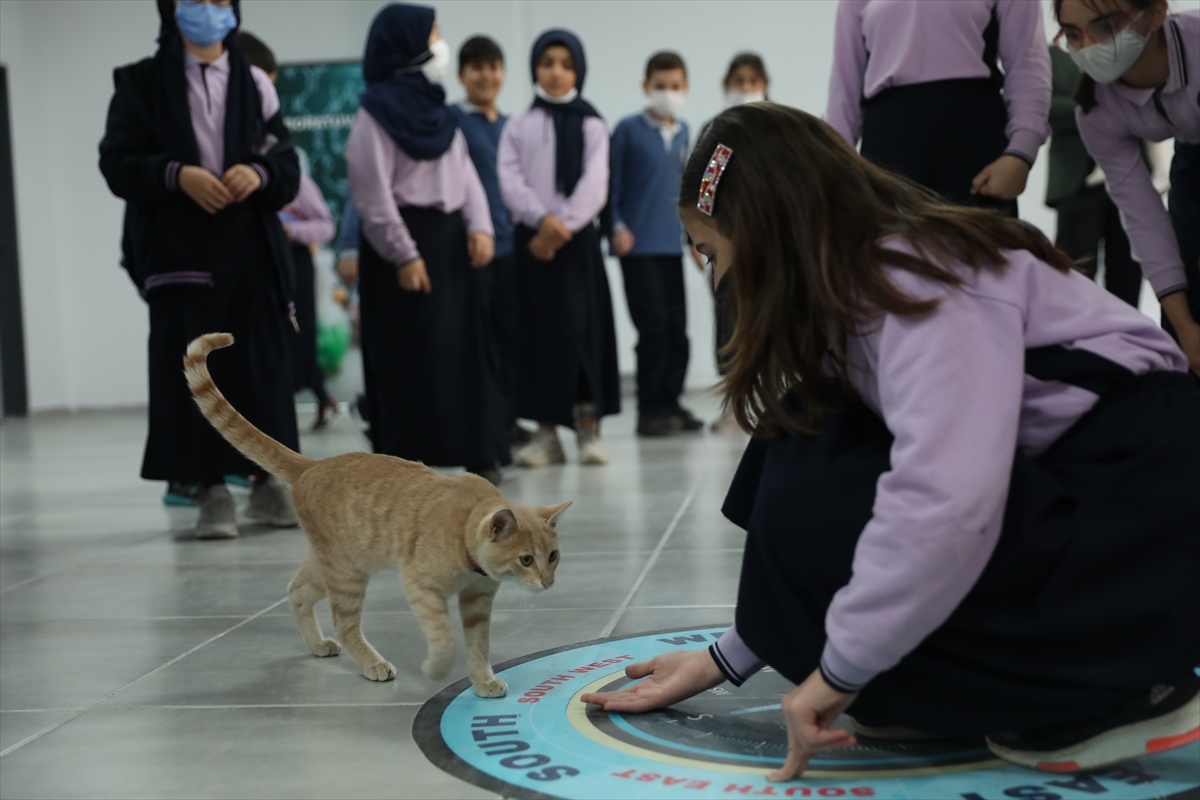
(333, 341)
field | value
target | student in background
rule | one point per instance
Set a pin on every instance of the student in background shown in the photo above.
(646, 158)
(195, 145)
(1075, 189)
(308, 224)
(919, 83)
(481, 72)
(1142, 82)
(746, 81)
(347, 246)
(554, 178)
(433, 392)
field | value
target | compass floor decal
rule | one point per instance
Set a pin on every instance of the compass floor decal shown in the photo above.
(541, 741)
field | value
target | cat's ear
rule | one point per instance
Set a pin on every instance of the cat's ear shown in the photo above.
(550, 513)
(504, 525)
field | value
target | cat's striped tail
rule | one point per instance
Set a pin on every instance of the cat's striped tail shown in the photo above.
(255, 445)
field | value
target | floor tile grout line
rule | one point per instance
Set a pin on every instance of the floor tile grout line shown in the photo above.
(174, 660)
(662, 543)
(78, 564)
(396, 704)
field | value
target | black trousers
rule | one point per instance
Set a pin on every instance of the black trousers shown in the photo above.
(1184, 203)
(654, 291)
(940, 134)
(1092, 594)
(306, 371)
(498, 281)
(1084, 221)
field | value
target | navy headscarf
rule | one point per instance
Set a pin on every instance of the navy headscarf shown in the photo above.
(568, 117)
(411, 109)
(244, 129)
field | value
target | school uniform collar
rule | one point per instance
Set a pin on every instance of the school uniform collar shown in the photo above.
(468, 107)
(1177, 77)
(220, 63)
(661, 126)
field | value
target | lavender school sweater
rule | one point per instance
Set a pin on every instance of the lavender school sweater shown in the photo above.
(643, 188)
(952, 388)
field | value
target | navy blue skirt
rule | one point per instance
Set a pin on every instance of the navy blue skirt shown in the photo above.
(1092, 593)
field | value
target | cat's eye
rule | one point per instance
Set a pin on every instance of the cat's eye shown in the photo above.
(553, 556)
(526, 561)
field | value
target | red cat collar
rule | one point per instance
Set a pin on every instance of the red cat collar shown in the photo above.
(475, 566)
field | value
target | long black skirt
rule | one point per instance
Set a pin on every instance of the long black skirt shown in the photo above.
(565, 338)
(940, 134)
(1092, 593)
(254, 374)
(306, 372)
(433, 391)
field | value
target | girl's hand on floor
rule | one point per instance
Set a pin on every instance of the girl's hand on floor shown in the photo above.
(414, 277)
(1004, 178)
(204, 188)
(554, 231)
(541, 249)
(242, 181)
(481, 248)
(672, 677)
(810, 709)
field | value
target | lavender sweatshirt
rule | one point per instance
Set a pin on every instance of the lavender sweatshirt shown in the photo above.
(307, 217)
(879, 44)
(207, 93)
(1112, 132)
(527, 159)
(384, 178)
(952, 388)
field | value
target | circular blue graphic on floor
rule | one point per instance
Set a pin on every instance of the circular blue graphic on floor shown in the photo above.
(542, 742)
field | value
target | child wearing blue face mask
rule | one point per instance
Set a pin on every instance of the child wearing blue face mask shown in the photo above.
(195, 145)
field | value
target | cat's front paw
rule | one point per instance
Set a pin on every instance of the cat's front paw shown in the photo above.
(436, 670)
(491, 687)
(383, 671)
(327, 647)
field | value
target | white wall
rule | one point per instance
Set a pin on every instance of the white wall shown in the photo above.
(85, 326)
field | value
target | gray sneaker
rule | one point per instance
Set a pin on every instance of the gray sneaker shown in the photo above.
(271, 502)
(591, 447)
(218, 514)
(543, 449)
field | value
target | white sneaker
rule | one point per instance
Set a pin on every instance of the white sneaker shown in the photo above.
(218, 514)
(271, 502)
(543, 449)
(591, 447)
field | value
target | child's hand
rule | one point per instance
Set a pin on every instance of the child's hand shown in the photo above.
(554, 231)
(672, 677)
(242, 181)
(204, 188)
(622, 242)
(810, 709)
(480, 249)
(414, 277)
(347, 270)
(1004, 178)
(541, 249)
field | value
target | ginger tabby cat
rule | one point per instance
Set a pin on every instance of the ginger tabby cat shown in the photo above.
(364, 513)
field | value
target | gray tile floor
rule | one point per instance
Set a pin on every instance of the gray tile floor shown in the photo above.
(137, 662)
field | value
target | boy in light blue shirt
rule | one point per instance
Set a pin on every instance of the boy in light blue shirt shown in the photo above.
(647, 155)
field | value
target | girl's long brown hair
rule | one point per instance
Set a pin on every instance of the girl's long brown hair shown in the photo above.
(805, 214)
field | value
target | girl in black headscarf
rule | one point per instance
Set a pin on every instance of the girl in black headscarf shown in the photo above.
(432, 385)
(197, 148)
(553, 165)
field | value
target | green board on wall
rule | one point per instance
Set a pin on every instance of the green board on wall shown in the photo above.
(319, 102)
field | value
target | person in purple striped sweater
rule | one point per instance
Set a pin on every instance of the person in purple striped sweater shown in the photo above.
(196, 146)
(920, 84)
(970, 499)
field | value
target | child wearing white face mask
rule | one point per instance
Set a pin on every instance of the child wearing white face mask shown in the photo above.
(646, 158)
(432, 387)
(746, 80)
(1142, 73)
